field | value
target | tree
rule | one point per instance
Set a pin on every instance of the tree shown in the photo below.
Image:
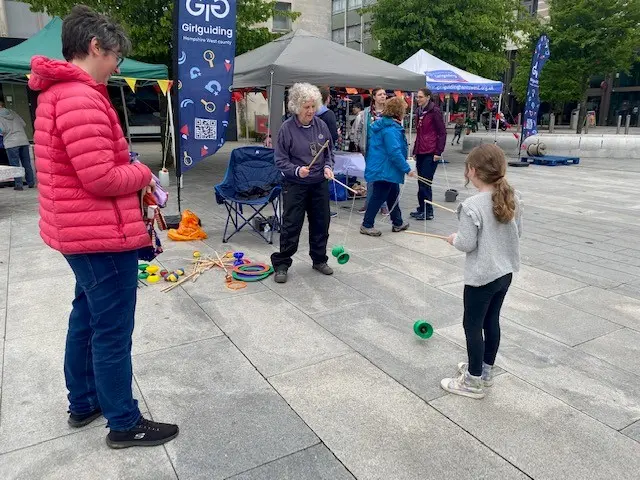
(470, 34)
(587, 38)
(149, 23)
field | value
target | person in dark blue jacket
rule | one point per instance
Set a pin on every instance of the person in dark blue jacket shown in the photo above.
(386, 166)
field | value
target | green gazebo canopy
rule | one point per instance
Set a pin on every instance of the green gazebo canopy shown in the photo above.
(15, 62)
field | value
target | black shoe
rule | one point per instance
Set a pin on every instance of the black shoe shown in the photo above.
(145, 434)
(422, 217)
(19, 189)
(323, 268)
(415, 214)
(32, 186)
(401, 228)
(333, 214)
(281, 275)
(77, 421)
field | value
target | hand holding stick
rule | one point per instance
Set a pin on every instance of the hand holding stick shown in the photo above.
(439, 206)
(318, 154)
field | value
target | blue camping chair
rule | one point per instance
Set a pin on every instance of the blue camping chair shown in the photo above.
(252, 181)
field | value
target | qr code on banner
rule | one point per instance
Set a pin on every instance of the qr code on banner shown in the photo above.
(206, 129)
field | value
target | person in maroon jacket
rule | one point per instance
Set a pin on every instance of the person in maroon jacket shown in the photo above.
(431, 136)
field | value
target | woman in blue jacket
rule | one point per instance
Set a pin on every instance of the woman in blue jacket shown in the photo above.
(386, 166)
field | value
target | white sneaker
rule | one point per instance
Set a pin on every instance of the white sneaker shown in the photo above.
(465, 385)
(487, 372)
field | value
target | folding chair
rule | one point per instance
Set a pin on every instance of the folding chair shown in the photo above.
(252, 181)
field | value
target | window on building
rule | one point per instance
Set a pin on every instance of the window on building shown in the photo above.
(282, 23)
(353, 33)
(338, 6)
(355, 4)
(367, 31)
(338, 35)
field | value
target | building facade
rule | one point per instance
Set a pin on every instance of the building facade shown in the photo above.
(350, 26)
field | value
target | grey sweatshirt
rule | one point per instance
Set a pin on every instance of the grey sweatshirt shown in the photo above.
(295, 146)
(492, 248)
(12, 129)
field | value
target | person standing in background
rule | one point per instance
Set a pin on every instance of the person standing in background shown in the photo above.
(16, 144)
(431, 136)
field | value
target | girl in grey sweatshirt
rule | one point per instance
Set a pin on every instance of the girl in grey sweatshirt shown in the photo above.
(489, 233)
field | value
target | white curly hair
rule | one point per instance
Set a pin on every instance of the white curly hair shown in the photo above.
(301, 93)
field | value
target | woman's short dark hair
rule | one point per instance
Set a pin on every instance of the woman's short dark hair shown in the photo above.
(83, 25)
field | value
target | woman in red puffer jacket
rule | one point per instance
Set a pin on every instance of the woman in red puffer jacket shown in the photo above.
(90, 212)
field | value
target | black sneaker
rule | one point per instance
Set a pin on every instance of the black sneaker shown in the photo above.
(333, 214)
(19, 189)
(415, 213)
(281, 275)
(422, 216)
(77, 421)
(145, 434)
(323, 268)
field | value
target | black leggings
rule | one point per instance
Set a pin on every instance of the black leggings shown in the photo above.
(482, 313)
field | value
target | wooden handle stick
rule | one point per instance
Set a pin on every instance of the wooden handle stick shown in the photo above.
(439, 206)
(318, 154)
(424, 180)
(345, 186)
(221, 263)
(426, 234)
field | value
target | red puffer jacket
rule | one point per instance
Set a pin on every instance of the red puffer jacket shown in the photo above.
(88, 190)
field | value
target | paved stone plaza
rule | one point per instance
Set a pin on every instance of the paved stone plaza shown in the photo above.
(323, 378)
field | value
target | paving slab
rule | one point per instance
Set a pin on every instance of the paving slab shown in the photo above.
(588, 273)
(50, 264)
(314, 463)
(34, 396)
(84, 455)
(387, 340)
(39, 305)
(312, 292)
(620, 348)
(633, 431)
(543, 283)
(231, 420)
(429, 270)
(631, 289)
(583, 381)
(549, 439)
(260, 336)
(408, 296)
(394, 434)
(25, 231)
(607, 304)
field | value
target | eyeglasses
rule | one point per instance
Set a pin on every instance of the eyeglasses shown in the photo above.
(119, 58)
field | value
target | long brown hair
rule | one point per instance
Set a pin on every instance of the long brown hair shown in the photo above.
(490, 165)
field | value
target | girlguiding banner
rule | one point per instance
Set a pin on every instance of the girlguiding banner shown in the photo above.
(205, 50)
(532, 103)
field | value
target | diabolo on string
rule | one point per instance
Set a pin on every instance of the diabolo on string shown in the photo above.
(423, 329)
(341, 255)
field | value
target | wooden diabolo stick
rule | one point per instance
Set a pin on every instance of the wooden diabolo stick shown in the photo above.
(318, 154)
(426, 234)
(439, 206)
(345, 186)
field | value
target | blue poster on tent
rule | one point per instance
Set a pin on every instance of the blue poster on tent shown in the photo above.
(532, 102)
(205, 48)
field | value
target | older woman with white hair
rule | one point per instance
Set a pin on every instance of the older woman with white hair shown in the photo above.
(302, 137)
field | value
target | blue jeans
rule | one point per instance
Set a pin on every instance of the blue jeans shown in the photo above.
(17, 155)
(383, 192)
(426, 168)
(97, 360)
(370, 193)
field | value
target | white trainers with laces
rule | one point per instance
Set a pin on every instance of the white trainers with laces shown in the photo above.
(465, 385)
(487, 372)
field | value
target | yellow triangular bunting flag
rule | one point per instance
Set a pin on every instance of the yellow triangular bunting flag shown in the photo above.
(164, 86)
(131, 82)
(28, 76)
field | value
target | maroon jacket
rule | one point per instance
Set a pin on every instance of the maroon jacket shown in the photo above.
(431, 134)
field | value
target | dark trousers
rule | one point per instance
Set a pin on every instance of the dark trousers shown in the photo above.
(482, 314)
(383, 192)
(20, 156)
(456, 135)
(298, 199)
(426, 168)
(97, 360)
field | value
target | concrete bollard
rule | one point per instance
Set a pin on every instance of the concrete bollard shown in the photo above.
(627, 123)
(619, 124)
(552, 123)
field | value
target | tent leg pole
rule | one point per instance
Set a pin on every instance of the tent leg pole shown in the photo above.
(495, 139)
(126, 115)
(411, 122)
(174, 147)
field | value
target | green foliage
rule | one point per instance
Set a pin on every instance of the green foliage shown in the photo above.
(470, 34)
(587, 38)
(149, 23)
